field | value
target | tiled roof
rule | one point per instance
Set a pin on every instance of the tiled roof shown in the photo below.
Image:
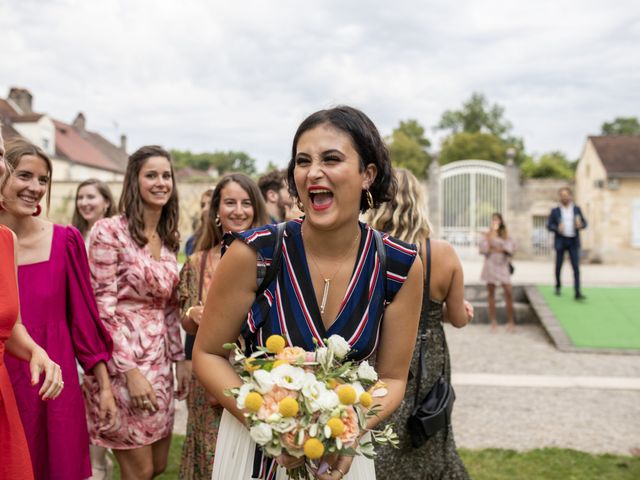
(620, 154)
(116, 154)
(29, 118)
(76, 146)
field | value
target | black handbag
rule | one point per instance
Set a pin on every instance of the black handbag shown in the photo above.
(433, 412)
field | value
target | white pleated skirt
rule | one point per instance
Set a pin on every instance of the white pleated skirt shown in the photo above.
(235, 454)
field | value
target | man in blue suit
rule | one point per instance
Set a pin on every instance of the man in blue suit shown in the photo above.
(566, 221)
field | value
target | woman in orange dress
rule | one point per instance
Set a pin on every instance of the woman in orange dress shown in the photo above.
(15, 462)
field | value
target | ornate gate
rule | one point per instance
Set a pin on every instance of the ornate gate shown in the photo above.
(470, 191)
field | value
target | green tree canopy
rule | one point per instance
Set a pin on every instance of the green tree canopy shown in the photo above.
(409, 147)
(550, 165)
(622, 126)
(476, 145)
(231, 161)
(477, 116)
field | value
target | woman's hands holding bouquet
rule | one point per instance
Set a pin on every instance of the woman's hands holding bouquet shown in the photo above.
(309, 410)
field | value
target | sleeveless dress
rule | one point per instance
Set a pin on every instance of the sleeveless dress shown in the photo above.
(59, 311)
(15, 462)
(438, 457)
(288, 307)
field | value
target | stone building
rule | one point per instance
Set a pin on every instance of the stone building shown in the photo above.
(608, 191)
(77, 153)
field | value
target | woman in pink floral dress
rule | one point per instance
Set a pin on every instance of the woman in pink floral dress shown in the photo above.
(135, 275)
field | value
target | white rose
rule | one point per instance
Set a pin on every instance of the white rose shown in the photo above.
(261, 433)
(312, 389)
(263, 381)
(328, 400)
(323, 356)
(367, 372)
(339, 346)
(287, 376)
(242, 394)
(284, 425)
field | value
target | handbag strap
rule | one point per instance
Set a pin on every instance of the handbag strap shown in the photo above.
(272, 271)
(423, 326)
(382, 258)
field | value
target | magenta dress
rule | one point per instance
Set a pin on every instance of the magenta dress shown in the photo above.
(59, 311)
(138, 301)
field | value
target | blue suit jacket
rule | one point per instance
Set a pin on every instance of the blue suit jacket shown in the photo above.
(555, 218)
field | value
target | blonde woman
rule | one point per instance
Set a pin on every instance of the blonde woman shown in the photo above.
(404, 218)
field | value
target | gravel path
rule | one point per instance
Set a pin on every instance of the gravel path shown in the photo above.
(593, 420)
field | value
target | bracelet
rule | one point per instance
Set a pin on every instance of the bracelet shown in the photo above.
(188, 313)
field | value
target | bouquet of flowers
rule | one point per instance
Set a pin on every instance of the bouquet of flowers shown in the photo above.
(308, 403)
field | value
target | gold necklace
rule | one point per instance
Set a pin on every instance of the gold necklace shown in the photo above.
(327, 281)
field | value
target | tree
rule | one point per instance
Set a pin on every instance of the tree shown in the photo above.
(409, 147)
(478, 117)
(476, 145)
(235, 161)
(550, 165)
(622, 126)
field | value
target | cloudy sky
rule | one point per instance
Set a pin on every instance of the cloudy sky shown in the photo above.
(211, 75)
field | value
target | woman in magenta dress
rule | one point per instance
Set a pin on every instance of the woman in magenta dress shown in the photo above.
(59, 311)
(135, 275)
(15, 462)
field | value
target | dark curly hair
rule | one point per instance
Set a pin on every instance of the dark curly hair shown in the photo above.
(367, 142)
(132, 206)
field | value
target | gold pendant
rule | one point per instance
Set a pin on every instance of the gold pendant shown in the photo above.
(325, 294)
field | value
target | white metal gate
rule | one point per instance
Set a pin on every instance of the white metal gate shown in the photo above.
(470, 191)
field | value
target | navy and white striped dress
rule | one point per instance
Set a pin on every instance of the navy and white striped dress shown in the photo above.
(288, 307)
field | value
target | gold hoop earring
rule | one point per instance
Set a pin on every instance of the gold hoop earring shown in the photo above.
(299, 204)
(369, 199)
(218, 222)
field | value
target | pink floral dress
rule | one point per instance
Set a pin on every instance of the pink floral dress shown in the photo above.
(138, 302)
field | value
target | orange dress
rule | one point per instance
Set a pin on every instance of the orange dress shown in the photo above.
(15, 462)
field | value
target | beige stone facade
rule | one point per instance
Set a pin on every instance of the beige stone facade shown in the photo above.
(63, 196)
(611, 204)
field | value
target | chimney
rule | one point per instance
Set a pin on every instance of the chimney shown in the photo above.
(123, 143)
(22, 98)
(80, 121)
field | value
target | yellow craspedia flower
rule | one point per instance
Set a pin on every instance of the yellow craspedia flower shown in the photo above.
(337, 426)
(313, 449)
(277, 363)
(249, 366)
(275, 344)
(253, 401)
(347, 394)
(366, 399)
(288, 407)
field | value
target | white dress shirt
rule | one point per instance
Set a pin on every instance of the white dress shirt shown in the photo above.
(568, 221)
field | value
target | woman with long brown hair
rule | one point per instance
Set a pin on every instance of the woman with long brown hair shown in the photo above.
(135, 275)
(498, 248)
(236, 205)
(59, 311)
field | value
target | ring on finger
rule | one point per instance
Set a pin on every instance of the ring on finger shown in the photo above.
(342, 474)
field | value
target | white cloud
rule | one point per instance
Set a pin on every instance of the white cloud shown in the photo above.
(220, 75)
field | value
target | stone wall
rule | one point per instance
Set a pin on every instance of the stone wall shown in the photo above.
(63, 195)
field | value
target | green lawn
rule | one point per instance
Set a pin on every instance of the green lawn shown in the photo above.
(494, 464)
(608, 318)
(548, 464)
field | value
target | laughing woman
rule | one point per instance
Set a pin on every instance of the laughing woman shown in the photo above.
(59, 311)
(135, 275)
(339, 167)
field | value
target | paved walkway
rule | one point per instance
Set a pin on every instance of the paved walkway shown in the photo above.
(518, 391)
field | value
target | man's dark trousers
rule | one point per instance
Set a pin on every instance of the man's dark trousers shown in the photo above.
(572, 245)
